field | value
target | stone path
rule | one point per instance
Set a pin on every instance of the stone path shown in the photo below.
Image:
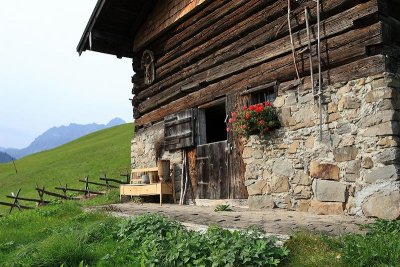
(273, 221)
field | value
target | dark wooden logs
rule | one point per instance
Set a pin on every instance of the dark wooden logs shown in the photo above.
(335, 51)
(333, 25)
(263, 27)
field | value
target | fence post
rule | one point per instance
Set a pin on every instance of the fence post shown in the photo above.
(16, 203)
(87, 192)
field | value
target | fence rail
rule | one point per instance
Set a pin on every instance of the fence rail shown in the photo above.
(42, 192)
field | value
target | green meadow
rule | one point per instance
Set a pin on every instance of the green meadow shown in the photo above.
(106, 151)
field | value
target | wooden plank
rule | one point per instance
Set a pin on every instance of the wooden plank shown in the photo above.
(151, 169)
(353, 70)
(181, 121)
(269, 52)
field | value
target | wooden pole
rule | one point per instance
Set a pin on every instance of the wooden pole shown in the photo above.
(291, 40)
(16, 203)
(15, 167)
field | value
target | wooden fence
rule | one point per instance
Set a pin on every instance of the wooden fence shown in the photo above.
(42, 192)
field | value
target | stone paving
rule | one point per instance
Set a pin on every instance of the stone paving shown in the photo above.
(273, 221)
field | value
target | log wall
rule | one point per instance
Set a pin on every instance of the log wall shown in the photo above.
(228, 46)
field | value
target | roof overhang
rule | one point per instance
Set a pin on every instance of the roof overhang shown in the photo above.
(113, 25)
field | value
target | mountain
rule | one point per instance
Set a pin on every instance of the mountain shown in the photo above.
(4, 157)
(58, 136)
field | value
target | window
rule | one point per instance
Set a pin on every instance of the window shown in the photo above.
(260, 94)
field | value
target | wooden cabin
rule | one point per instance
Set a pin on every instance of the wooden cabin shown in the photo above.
(331, 71)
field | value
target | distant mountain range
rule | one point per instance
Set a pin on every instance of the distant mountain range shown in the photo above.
(4, 157)
(55, 137)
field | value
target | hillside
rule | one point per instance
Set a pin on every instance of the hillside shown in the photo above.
(57, 136)
(103, 151)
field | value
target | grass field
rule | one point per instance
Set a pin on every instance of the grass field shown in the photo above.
(106, 151)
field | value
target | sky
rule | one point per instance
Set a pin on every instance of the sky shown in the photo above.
(44, 82)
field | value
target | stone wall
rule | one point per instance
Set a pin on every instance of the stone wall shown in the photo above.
(147, 143)
(353, 170)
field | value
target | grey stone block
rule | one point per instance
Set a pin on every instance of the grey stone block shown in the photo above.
(260, 202)
(329, 191)
(386, 173)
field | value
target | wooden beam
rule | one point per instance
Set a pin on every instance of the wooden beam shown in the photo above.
(250, 90)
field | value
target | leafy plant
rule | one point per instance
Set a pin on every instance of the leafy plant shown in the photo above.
(223, 207)
(159, 241)
(260, 118)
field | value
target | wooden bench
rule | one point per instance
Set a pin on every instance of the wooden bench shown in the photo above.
(156, 187)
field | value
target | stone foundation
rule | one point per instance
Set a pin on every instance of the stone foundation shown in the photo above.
(353, 170)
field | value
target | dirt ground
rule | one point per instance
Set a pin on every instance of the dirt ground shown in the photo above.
(274, 221)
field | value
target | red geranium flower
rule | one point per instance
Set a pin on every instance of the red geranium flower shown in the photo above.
(267, 104)
(247, 115)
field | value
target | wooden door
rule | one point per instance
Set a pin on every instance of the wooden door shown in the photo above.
(213, 177)
(220, 167)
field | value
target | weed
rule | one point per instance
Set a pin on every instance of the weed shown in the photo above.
(137, 200)
(223, 207)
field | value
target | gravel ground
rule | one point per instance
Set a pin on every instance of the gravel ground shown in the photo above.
(274, 221)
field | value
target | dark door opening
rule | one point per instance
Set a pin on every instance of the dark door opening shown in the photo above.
(215, 124)
(211, 126)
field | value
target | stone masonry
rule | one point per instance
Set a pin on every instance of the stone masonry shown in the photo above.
(144, 149)
(353, 170)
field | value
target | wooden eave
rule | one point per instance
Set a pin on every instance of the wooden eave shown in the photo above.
(113, 25)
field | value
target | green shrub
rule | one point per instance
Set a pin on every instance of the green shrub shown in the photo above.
(379, 247)
(157, 241)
